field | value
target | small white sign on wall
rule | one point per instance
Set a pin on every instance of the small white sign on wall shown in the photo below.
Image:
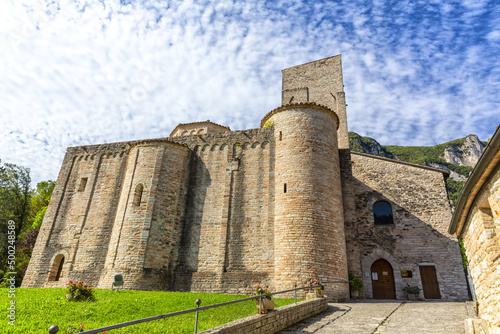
(367, 274)
(375, 276)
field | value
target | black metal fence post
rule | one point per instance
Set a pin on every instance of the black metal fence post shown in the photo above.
(198, 303)
(260, 301)
(53, 329)
(295, 293)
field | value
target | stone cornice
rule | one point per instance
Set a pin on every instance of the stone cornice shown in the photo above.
(480, 175)
(434, 169)
(305, 105)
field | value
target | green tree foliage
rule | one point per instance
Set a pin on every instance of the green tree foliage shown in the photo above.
(40, 198)
(14, 195)
(26, 208)
(14, 205)
(454, 189)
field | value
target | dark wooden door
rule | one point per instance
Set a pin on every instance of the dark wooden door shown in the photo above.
(383, 280)
(429, 282)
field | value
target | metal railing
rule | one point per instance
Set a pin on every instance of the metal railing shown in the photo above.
(54, 329)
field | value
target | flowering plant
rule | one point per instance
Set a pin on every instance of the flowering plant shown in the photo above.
(79, 291)
(262, 291)
(317, 285)
(81, 328)
(73, 330)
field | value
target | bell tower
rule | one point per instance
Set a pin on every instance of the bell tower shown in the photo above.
(320, 82)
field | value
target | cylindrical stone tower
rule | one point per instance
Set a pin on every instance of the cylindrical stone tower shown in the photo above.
(309, 220)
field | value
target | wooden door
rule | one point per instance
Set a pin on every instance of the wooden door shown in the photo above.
(383, 280)
(429, 282)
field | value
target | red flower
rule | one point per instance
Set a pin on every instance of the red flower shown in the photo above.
(257, 285)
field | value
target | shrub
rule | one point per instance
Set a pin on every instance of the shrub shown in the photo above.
(414, 290)
(78, 291)
(355, 282)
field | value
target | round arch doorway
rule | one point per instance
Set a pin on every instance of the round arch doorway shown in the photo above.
(383, 286)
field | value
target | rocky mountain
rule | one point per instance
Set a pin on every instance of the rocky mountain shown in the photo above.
(457, 156)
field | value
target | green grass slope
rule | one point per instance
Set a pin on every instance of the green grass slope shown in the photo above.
(38, 309)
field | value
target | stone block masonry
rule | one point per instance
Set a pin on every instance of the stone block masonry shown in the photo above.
(273, 321)
(418, 236)
(213, 210)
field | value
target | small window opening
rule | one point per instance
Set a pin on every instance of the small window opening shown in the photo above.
(138, 194)
(382, 212)
(281, 136)
(59, 270)
(56, 270)
(284, 188)
(485, 208)
(83, 183)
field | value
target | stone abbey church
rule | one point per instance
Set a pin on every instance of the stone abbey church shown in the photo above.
(214, 210)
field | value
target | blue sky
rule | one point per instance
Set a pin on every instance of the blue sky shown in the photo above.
(89, 72)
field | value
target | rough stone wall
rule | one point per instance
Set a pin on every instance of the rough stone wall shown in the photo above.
(100, 200)
(419, 236)
(228, 234)
(309, 226)
(147, 222)
(275, 321)
(320, 82)
(78, 221)
(481, 238)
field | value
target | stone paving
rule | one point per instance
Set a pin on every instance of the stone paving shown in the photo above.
(387, 317)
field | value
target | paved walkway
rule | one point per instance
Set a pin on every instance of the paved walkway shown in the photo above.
(387, 317)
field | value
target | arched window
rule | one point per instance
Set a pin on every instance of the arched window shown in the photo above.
(57, 266)
(138, 194)
(382, 212)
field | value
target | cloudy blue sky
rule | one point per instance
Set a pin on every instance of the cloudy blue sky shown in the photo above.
(88, 72)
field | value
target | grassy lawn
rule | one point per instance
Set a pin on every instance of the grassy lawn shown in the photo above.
(38, 309)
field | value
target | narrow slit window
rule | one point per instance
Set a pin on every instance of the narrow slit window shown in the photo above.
(382, 213)
(281, 136)
(138, 194)
(83, 184)
(284, 188)
(56, 268)
(59, 270)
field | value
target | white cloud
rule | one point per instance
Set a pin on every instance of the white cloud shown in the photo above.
(88, 72)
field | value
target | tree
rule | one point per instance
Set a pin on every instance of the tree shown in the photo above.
(40, 198)
(14, 204)
(14, 195)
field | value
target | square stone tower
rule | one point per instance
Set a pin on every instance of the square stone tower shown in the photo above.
(321, 82)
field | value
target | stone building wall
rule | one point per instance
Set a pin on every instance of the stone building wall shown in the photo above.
(148, 216)
(80, 217)
(222, 210)
(309, 226)
(320, 82)
(481, 236)
(228, 234)
(419, 236)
